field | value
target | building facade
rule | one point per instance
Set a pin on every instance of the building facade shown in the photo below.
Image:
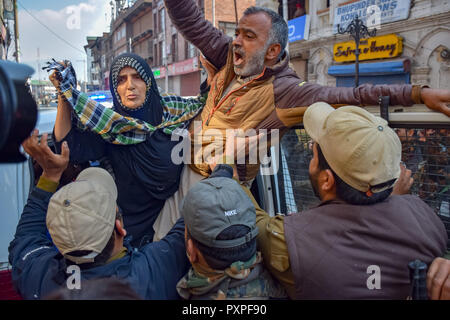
(144, 28)
(411, 46)
(419, 30)
(173, 53)
(100, 50)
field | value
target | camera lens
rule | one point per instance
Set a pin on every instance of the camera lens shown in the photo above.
(18, 110)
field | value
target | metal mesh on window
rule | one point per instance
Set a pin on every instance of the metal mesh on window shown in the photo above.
(425, 151)
(295, 189)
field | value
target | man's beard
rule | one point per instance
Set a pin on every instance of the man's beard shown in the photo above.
(254, 66)
(315, 186)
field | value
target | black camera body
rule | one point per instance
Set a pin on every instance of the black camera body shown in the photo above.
(18, 110)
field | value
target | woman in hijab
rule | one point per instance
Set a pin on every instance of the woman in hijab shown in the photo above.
(144, 172)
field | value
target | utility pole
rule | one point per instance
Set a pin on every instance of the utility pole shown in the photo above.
(166, 66)
(236, 12)
(285, 10)
(38, 93)
(286, 17)
(84, 73)
(214, 13)
(357, 30)
(16, 31)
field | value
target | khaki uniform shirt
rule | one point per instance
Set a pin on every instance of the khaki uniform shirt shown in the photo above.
(272, 244)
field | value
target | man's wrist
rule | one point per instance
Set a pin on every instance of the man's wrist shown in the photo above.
(54, 177)
(417, 93)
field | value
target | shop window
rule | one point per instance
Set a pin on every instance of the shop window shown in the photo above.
(150, 52)
(155, 54)
(201, 5)
(227, 28)
(155, 23)
(189, 50)
(296, 8)
(160, 53)
(162, 21)
(323, 4)
(174, 47)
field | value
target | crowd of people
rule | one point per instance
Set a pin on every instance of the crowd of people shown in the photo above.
(166, 230)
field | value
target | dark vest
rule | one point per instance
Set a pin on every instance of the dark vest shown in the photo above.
(336, 248)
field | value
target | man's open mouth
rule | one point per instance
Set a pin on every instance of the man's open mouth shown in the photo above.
(238, 58)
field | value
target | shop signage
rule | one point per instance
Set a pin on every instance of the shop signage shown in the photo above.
(179, 68)
(299, 28)
(381, 47)
(371, 12)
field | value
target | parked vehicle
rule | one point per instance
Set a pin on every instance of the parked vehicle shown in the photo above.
(102, 96)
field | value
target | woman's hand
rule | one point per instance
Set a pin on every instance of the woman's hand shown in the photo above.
(55, 77)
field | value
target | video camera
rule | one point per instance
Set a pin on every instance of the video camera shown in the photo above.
(18, 110)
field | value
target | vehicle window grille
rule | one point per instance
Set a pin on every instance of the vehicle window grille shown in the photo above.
(425, 151)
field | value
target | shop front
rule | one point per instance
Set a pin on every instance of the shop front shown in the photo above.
(183, 77)
(372, 67)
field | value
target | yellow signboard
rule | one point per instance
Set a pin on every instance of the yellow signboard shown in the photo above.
(381, 47)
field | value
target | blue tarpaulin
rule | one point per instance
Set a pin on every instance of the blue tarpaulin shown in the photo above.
(390, 72)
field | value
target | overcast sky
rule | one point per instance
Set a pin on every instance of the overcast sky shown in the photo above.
(71, 20)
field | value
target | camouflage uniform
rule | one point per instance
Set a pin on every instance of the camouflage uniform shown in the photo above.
(242, 280)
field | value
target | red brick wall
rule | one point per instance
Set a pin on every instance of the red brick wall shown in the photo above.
(225, 9)
(143, 23)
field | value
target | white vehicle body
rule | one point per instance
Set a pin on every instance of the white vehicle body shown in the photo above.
(15, 180)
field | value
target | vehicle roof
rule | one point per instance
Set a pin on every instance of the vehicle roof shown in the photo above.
(46, 119)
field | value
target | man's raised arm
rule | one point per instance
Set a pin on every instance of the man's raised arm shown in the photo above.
(295, 96)
(190, 21)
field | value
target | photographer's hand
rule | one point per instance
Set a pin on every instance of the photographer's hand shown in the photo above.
(53, 165)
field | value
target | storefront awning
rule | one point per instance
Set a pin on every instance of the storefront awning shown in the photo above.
(372, 69)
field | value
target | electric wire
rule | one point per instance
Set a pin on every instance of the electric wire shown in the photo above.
(50, 30)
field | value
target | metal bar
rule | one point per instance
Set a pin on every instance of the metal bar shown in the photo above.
(384, 107)
(16, 31)
(357, 64)
(286, 18)
(236, 12)
(214, 12)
